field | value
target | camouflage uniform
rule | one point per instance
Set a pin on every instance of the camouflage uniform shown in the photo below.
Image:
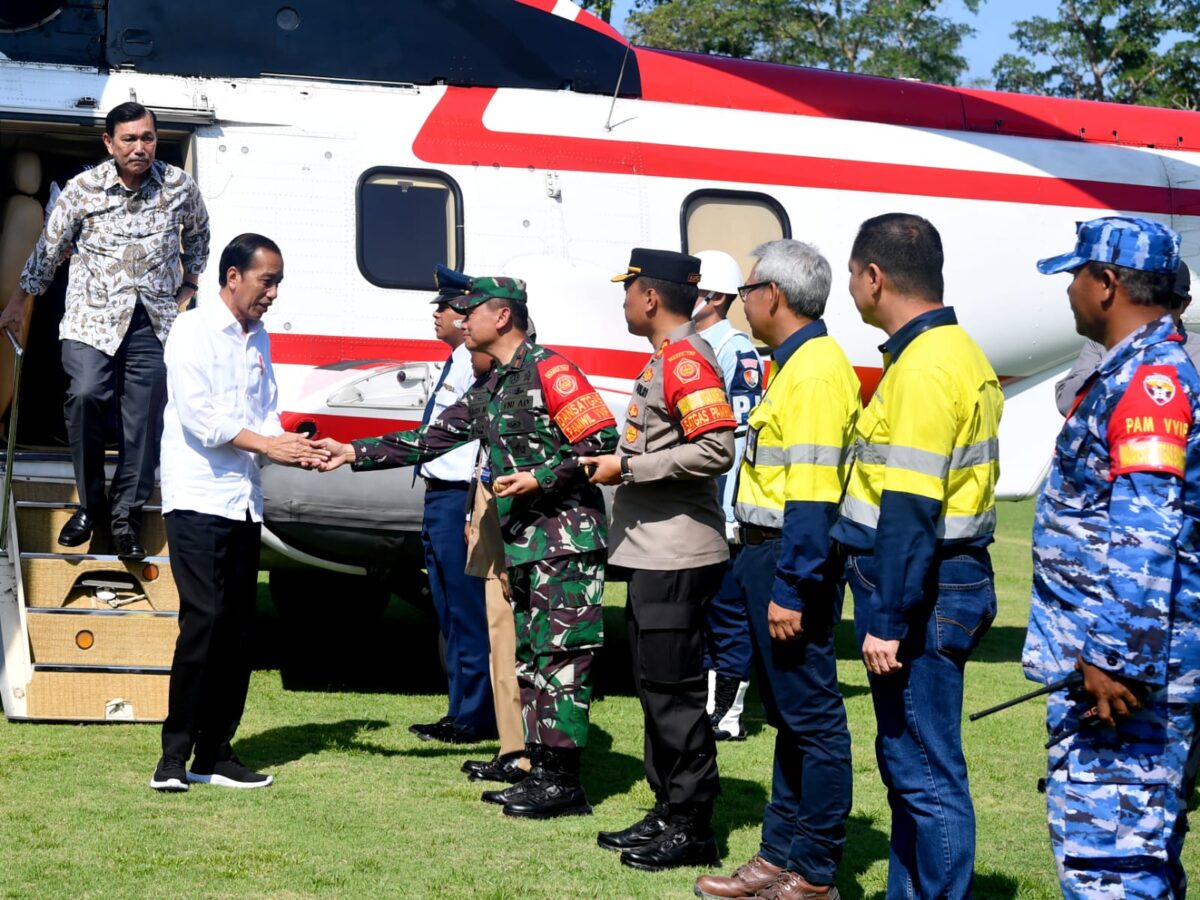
(536, 414)
(1117, 583)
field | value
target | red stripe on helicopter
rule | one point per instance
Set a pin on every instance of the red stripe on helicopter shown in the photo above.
(454, 134)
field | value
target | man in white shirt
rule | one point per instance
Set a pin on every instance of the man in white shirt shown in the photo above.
(458, 598)
(221, 416)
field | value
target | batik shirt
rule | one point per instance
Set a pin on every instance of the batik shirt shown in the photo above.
(1116, 567)
(536, 414)
(128, 246)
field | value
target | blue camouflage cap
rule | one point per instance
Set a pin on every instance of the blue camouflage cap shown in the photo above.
(450, 284)
(1121, 240)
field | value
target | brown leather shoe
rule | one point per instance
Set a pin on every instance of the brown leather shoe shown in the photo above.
(790, 886)
(749, 878)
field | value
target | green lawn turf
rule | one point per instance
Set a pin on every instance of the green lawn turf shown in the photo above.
(362, 808)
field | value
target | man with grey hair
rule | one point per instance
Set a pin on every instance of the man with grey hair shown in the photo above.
(789, 486)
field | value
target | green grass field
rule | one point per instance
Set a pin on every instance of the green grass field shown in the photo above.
(361, 808)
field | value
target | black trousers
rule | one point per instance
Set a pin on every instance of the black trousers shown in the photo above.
(215, 563)
(137, 377)
(665, 618)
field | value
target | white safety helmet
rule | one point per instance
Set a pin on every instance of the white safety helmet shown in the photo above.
(719, 272)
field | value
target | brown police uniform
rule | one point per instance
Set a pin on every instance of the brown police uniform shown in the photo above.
(669, 530)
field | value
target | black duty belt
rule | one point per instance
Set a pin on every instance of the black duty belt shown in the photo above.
(754, 534)
(437, 484)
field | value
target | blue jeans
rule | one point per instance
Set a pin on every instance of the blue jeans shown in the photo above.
(919, 715)
(804, 825)
(727, 647)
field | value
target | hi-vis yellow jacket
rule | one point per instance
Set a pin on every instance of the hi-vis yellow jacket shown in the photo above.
(797, 458)
(926, 458)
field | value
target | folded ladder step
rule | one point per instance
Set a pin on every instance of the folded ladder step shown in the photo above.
(39, 522)
(127, 640)
(55, 581)
(97, 696)
(57, 491)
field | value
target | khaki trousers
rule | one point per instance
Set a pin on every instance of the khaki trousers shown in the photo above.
(485, 558)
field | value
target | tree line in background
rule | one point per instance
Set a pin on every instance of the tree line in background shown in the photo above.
(1127, 51)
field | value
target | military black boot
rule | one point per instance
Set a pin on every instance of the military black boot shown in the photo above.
(556, 793)
(688, 840)
(517, 790)
(639, 834)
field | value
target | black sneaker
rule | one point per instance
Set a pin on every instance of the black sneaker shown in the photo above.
(169, 776)
(228, 773)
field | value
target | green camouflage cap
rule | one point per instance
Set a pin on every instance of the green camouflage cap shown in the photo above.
(484, 289)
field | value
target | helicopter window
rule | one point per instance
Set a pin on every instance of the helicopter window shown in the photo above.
(408, 221)
(736, 222)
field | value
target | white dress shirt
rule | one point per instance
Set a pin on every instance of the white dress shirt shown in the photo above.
(459, 463)
(219, 381)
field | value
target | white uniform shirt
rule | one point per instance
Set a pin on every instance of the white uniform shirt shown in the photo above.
(459, 463)
(219, 381)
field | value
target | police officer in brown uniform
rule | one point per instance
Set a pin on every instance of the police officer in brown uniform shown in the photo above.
(668, 529)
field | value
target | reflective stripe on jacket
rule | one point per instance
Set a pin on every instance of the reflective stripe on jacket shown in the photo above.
(928, 441)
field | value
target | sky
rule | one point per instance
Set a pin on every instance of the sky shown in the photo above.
(992, 26)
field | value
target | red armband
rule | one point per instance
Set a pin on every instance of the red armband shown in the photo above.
(574, 405)
(1149, 428)
(695, 391)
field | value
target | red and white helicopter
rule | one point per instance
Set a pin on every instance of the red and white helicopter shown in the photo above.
(375, 139)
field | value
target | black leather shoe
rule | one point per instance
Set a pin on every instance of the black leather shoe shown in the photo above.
(505, 795)
(682, 844)
(420, 730)
(499, 768)
(639, 834)
(548, 798)
(78, 529)
(128, 547)
(449, 733)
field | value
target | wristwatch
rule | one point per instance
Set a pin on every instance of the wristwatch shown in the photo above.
(626, 473)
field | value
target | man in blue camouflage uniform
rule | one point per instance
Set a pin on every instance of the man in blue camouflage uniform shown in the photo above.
(1116, 583)
(728, 650)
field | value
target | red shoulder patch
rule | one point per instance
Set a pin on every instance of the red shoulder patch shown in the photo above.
(574, 405)
(1149, 428)
(695, 391)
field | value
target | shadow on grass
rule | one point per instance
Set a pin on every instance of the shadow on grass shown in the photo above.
(605, 772)
(865, 846)
(740, 806)
(995, 887)
(277, 746)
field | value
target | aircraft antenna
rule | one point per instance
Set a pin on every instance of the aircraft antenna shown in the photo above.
(620, 77)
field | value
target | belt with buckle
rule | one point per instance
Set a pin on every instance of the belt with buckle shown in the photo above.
(754, 534)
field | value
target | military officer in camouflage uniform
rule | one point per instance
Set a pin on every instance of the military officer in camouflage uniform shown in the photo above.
(535, 414)
(669, 531)
(1116, 583)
